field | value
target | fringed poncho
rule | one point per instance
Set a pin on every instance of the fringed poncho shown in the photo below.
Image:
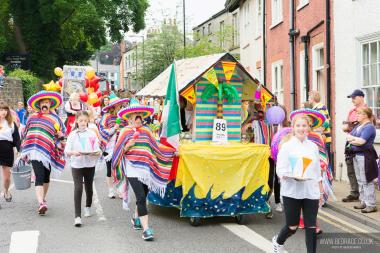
(40, 141)
(155, 158)
(107, 133)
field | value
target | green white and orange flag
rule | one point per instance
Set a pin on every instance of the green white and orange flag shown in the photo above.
(171, 127)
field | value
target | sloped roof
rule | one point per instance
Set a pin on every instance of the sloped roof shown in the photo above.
(186, 71)
(190, 70)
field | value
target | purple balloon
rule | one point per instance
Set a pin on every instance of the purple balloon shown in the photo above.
(276, 139)
(275, 115)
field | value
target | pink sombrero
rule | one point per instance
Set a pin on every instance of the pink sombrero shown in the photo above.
(55, 98)
(317, 118)
(114, 101)
(135, 107)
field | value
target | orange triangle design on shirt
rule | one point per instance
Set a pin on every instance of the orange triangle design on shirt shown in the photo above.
(306, 162)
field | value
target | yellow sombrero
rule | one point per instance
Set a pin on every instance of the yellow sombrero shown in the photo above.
(135, 107)
(114, 101)
(55, 99)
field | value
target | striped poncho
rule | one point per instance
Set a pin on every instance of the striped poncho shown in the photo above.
(107, 134)
(40, 141)
(327, 176)
(155, 158)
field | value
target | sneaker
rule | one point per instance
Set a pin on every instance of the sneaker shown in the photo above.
(136, 223)
(277, 248)
(42, 209)
(350, 198)
(148, 235)
(87, 212)
(77, 222)
(279, 208)
(369, 209)
(111, 193)
(360, 206)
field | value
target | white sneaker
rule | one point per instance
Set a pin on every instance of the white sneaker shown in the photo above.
(87, 212)
(77, 222)
(277, 248)
(279, 208)
(111, 193)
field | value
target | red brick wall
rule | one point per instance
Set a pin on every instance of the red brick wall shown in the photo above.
(278, 47)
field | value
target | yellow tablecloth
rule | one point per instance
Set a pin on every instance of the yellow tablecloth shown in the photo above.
(223, 169)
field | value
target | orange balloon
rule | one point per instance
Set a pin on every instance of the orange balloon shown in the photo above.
(92, 98)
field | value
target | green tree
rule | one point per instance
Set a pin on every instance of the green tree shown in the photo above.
(58, 32)
(162, 49)
(30, 82)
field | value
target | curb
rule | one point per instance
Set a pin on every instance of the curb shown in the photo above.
(352, 215)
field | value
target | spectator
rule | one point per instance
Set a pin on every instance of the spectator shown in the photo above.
(361, 140)
(357, 98)
(21, 112)
(2, 76)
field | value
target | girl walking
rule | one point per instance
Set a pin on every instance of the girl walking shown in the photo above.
(299, 155)
(83, 150)
(9, 138)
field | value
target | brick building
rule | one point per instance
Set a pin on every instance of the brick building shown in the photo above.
(311, 68)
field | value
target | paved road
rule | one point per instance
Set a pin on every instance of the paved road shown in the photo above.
(109, 230)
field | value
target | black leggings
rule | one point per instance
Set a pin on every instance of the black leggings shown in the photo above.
(109, 165)
(141, 191)
(292, 209)
(78, 175)
(41, 172)
(273, 182)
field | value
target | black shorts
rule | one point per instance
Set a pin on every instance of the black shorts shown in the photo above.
(41, 172)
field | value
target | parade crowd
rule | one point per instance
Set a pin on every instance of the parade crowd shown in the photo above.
(116, 136)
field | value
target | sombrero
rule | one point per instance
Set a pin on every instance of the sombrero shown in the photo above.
(55, 99)
(114, 101)
(317, 118)
(135, 107)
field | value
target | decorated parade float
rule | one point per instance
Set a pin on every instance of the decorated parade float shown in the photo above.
(220, 171)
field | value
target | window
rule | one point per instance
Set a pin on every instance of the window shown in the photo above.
(198, 35)
(370, 76)
(319, 83)
(209, 28)
(246, 15)
(235, 31)
(258, 17)
(303, 94)
(203, 31)
(276, 12)
(302, 3)
(278, 81)
(221, 29)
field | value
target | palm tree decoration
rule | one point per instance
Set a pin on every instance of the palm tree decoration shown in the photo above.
(224, 90)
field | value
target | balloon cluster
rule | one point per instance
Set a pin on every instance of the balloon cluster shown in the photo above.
(93, 94)
(55, 86)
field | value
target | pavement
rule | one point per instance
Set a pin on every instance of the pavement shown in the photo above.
(341, 189)
(109, 229)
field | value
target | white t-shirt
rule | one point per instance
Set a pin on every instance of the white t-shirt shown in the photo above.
(83, 141)
(295, 157)
(6, 131)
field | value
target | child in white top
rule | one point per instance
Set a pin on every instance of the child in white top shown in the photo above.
(298, 168)
(83, 149)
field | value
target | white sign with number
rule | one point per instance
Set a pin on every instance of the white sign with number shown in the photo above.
(219, 131)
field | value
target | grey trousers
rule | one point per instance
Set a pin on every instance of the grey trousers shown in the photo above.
(367, 194)
(352, 176)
